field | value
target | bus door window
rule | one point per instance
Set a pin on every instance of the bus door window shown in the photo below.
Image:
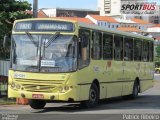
(96, 45)
(137, 50)
(118, 47)
(145, 51)
(128, 49)
(107, 46)
(83, 57)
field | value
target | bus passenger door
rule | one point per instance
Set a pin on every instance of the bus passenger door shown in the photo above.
(83, 62)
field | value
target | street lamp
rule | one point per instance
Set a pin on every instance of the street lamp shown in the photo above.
(35, 8)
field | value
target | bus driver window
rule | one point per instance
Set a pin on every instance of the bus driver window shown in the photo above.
(83, 48)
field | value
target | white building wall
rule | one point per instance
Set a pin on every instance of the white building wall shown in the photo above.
(109, 7)
(50, 12)
(108, 25)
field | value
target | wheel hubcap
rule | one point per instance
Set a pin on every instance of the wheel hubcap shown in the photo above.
(92, 95)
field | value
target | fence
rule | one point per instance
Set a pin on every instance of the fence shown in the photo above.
(4, 67)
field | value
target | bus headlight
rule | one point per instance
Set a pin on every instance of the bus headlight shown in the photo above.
(66, 88)
(60, 89)
(18, 86)
(13, 85)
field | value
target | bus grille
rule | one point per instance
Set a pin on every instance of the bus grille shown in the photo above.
(39, 85)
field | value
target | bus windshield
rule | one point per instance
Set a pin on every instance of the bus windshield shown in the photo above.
(44, 53)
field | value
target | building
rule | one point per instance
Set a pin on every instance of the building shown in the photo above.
(104, 21)
(127, 25)
(109, 7)
(60, 12)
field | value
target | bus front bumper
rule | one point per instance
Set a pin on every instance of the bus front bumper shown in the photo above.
(70, 95)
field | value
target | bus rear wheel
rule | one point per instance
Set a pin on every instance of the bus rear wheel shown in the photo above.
(37, 104)
(93, 97)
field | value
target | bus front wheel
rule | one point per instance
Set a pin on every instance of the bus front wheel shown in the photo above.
(37, 104)
(93, 97)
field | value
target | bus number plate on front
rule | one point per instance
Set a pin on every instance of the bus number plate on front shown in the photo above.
(37, 96)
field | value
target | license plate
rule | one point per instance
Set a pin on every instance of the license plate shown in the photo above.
(37, 96)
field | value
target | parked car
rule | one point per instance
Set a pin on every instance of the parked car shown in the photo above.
(157, 70)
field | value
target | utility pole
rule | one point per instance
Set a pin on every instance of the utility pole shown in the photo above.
(35, 8)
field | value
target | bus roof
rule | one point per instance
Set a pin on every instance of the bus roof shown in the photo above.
(95, 27)
(92, 26)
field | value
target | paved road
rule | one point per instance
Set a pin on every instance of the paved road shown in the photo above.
(157, 76)
(146, 103)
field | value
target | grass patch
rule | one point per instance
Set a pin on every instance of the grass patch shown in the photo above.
(7, 101)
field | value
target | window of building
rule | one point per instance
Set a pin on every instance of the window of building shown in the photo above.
(137, 50)
(112, 26)
(83, 55)
(107, 46)
(96, 45)
(145, 51)
(128, 49)
(108, 26)
(118, 47)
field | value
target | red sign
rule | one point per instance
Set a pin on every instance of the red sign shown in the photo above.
(37, 96)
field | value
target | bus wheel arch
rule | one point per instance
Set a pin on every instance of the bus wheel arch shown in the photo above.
(135, 90)
(93, 97)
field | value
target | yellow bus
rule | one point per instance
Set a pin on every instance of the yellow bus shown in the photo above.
(68, 61)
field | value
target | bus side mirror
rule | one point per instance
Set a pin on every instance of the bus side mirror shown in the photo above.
(5, 40)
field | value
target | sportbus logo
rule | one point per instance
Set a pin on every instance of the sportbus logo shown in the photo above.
(140, 8)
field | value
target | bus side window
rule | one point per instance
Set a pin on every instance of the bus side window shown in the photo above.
(145, 51)
(118, 47)
(107, 46)
(137, 50)
(128, 49)
(96, 45)
(83, 55)
(151, 51)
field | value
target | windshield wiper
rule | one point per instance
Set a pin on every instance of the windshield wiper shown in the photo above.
(31, 38)
(52, 38)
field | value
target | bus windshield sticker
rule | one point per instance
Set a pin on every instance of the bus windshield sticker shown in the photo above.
(47, 63)
(29, 62)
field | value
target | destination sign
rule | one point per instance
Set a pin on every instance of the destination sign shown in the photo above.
(23, 26)
(40, 25)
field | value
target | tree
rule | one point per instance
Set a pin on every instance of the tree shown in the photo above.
(10, 10)
(158, 51)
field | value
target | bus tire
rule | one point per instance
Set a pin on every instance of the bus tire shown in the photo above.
(135, 92)
(93, 97)
(37, 104)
